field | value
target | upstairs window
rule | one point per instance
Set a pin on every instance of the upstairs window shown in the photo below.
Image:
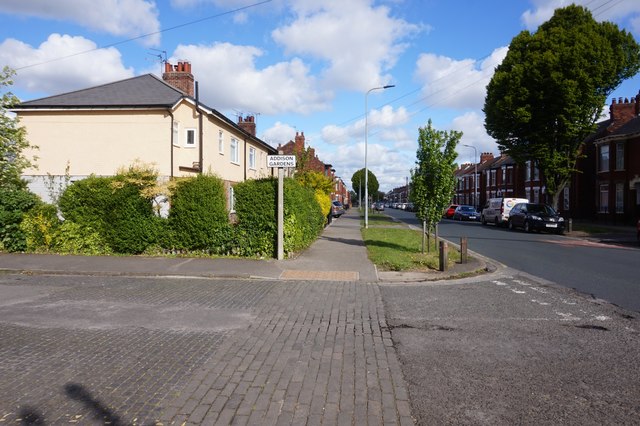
(603, 158)
(176, 133)
(252, 157)
(234, 151)
(620, 156)
(527, 171)
(536, 172)
(220, 142)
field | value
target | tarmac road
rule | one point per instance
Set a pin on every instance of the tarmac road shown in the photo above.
(508, 349)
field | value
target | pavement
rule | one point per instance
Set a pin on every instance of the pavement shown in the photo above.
(338, 255)
(148, 340)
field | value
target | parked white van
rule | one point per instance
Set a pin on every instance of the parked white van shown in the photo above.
(496, 210)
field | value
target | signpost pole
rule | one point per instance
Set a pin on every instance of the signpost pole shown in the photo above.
(281, 162)
(280, 213)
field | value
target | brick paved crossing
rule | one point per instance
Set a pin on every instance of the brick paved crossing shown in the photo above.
(85, 350)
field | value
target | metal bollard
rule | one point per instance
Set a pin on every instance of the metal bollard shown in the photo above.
(444, 249)
(463, 249)
(569, 225)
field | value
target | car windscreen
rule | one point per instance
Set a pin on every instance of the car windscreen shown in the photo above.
(541, 209)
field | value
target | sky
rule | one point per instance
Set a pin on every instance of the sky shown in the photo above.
(299, 65)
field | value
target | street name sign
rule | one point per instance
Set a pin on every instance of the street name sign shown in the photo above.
(286, 161)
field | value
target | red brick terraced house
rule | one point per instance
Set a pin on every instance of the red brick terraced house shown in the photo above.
(312, 163)
(606, 187)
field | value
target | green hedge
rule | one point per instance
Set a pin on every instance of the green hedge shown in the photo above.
(115, 209)
(198, 218)
(256, 227)
(14, 204)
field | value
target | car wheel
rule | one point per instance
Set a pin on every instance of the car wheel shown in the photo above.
(495, 222)
(527, 227)
(510, 225)
(483, 220)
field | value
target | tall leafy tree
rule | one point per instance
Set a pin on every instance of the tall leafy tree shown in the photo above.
(546, 96)
(357, 183)
(433, 180)
(13, 139)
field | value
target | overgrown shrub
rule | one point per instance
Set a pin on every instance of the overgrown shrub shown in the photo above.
(257, 222)
(73, 238)
(115, 208)
(198, 217)
(40, 226)
(14, 204)
(304, 220)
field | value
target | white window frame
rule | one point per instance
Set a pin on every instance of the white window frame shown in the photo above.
(234, 151)
(603, 164)
(566, 194)
(187, 131)
(176, 133)
(252, 158)
(620, 156)
(527, 172)
(220, 142)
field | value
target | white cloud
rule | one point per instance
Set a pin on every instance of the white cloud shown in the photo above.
(471, 125)
(379, 120)
(278, 134)
(229, 79)
(602, 10)
(128, 18)
(72, 73)
(456, 84)
(360, 43)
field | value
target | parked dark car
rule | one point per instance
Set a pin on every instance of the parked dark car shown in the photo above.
(535, 217)
(448, 213)
(465, 213)
(378, 207)
(337, 209)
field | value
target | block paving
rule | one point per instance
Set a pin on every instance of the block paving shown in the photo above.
(94, 350)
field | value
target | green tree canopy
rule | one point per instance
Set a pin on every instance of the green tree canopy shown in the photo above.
(357, 183)
(13, 139)
(433, 180)
(545, 97)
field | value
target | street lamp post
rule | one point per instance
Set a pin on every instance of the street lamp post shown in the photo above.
(366, 169)
(475, 175)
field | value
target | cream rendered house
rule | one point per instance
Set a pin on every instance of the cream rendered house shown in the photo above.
(147, 119)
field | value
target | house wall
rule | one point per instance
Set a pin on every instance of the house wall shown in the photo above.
(96, 142)
(101, 142)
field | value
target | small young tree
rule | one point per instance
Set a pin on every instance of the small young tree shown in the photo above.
(433, 181)
(13, 139)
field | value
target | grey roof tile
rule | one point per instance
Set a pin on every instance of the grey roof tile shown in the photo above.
(141, 91)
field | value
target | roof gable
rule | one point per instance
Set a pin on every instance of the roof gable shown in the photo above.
(141, 91)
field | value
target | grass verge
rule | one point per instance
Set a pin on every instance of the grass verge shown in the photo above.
(400, 249)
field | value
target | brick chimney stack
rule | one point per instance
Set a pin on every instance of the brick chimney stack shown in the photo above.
(248, 124)
(179, 76)
(622, 111)
(485, 156)
(299, 142)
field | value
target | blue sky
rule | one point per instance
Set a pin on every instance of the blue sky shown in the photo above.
(298, 65)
